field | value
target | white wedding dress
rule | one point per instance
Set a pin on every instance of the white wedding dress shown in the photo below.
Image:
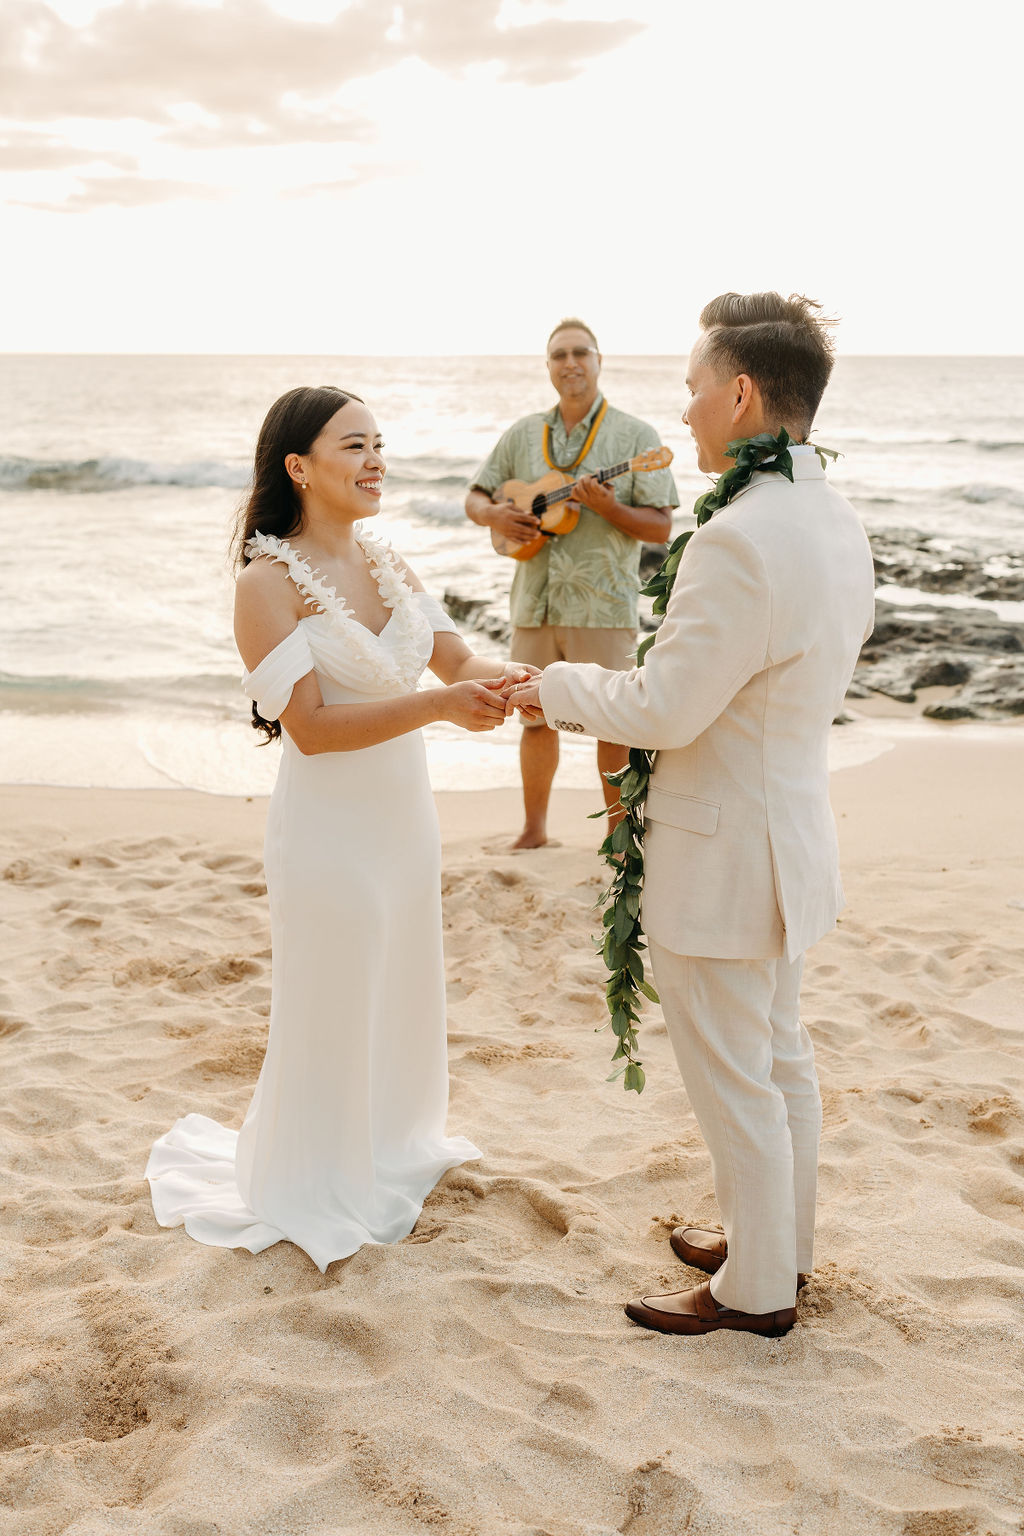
(345, 1135)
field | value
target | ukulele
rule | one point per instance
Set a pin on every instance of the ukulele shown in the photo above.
(549, 501)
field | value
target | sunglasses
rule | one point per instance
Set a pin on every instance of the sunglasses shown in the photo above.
(578, 354)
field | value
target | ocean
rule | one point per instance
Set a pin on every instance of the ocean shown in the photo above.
(120, 477)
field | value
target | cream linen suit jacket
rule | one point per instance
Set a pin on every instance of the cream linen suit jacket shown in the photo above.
(772, 601)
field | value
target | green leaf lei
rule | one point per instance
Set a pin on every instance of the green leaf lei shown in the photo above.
(623, 849)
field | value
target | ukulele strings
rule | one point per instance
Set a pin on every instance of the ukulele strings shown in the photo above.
(565, 491)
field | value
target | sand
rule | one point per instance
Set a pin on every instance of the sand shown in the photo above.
(481, 1377)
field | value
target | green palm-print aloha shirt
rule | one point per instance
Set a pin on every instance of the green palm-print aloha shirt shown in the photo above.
(587, 579)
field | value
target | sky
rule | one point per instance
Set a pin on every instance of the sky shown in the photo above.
(452, 176)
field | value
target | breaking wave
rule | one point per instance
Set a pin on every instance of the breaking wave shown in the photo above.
(982, 494)
(82, 476)
(106, 474)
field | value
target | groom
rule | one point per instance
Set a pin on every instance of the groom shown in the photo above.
(773, 599)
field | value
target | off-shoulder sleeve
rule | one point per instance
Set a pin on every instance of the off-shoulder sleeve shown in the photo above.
(438, 618)
(270, 684)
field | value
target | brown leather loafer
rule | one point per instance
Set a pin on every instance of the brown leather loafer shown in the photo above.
(707, 1250)
(697, 1311)
(697, 1246)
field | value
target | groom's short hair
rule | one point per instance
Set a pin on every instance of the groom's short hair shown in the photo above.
(783, 344)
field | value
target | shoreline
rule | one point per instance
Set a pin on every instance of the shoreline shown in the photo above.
(989, 753)
(457, 763)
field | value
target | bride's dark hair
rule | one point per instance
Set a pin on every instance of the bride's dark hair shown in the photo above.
(292, 425)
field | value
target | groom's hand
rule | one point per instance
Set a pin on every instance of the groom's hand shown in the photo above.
(526, 698)
(513, 673)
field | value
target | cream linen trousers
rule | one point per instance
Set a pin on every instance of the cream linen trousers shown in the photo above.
(748, 1068)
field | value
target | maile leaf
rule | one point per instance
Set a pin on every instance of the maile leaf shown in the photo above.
(620, 838)
(624, 921)
(620, 1023)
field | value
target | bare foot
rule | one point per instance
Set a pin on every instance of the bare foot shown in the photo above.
(529, 838)
(499, 846)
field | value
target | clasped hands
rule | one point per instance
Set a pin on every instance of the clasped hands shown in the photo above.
(489, 701)
(523, 692)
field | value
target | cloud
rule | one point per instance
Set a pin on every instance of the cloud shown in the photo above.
(242, 61)
(460, 33)
(122, 192)
(42, 152)
(382, 170)
(319, 188)
(241, 75)
(280, 123)
(142, 61)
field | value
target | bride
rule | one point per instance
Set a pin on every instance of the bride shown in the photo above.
(345, 1134)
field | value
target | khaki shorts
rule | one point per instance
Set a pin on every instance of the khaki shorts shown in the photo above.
(612, 648)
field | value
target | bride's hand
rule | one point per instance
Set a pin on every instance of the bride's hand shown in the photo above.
(478, 705)
(518, 672)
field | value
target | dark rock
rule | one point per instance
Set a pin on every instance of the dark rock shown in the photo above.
(464, 609)
(907, 557)
(486, 615)
(493, 626)
(651, 558)
(943, 673)
(950, 712)
(998, 690)
(895, 680)
(899, 628)
(931, 645)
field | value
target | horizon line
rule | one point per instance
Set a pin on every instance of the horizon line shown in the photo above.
(432, 356)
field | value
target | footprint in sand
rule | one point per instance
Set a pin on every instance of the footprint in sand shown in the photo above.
(569, 1395)
(83, 924)
(141, 971)
(994, 1116)
(236, 863)
(225, 972)
(240, 1055)
(998, 1198)
(496, 1053)
(658, 1500)
(398, 1489)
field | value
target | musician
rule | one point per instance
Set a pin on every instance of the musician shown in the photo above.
(576, 600)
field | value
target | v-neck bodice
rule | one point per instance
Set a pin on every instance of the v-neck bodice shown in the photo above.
(341, 649)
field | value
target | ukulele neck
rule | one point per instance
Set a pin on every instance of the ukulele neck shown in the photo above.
(565, 491)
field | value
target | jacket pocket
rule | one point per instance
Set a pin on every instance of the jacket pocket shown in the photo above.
(683, 811)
